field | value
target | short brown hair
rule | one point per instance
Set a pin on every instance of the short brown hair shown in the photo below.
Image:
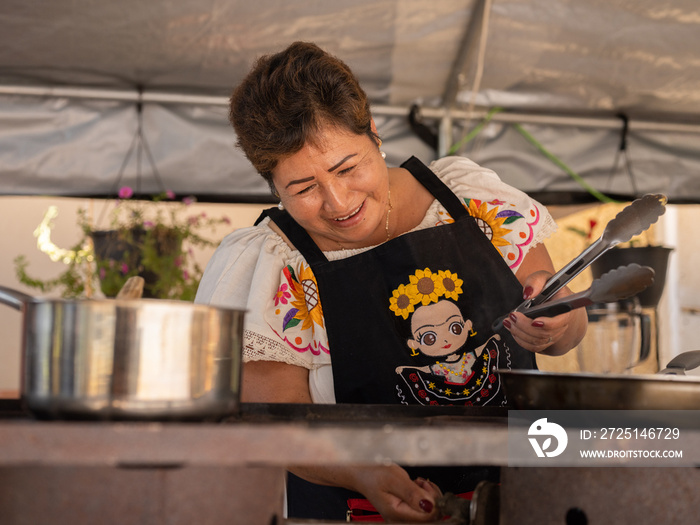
(286, 98)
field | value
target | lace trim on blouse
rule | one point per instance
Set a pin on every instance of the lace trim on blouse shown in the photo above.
(257, 347)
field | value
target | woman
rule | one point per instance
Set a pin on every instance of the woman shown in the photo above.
(372, 284)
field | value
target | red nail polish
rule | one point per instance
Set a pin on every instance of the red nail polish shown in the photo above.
(513, 318)
(537, 324)
(506, 323)
(527, 292)
(426, 505)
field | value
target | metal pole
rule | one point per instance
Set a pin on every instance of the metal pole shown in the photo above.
(444, 136)
(391, 111)
(464, 53)
(561, 120)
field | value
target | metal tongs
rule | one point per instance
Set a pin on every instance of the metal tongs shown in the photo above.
(630, 221)
(615, 285)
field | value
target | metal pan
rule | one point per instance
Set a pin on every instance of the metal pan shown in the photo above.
(142, 359)
(668, 390)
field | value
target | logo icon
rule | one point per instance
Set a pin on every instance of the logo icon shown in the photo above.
(542, 428)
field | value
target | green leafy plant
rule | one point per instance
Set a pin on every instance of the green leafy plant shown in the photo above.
(586, 234)
(154, 241)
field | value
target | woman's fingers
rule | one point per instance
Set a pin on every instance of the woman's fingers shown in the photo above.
(536, 334)
(397, 497)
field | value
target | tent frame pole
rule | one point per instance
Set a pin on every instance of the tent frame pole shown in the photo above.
(465, 53)
(424, 112)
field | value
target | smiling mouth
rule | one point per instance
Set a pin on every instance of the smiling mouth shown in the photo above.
(339, 219)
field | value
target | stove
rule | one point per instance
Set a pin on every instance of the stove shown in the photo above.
(233, 470)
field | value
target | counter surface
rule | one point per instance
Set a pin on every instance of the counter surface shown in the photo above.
(266, 435)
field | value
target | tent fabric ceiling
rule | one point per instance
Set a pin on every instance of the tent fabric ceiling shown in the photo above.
(207, 47)
(594, 58)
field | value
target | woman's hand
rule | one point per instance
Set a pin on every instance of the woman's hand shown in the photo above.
(546, 335)
(389, 488)
(393, 493)
(395, 496)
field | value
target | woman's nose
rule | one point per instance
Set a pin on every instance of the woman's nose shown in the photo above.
(335, 197)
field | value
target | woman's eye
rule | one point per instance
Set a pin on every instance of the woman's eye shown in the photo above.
(428, 339)
(305, 190)
(346, 171)
(456, 328)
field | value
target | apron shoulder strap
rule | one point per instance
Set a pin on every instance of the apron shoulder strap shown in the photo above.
(434, 185)
(299, 237)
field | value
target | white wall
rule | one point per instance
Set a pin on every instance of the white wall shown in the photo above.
(19, 217)
(684, 312)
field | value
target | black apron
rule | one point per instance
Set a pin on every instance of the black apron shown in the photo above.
(409, 322)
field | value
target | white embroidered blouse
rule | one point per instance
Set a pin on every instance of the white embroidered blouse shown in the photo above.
(255, 270)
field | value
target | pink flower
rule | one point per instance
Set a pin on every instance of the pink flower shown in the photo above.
(591, 224)
(185, 274)
(125, 192)
(170, 194)
(148, 224)
(282, 294)
(125, 268)
(103, 273)
(178, 261)
(226, 220)
(189, 200)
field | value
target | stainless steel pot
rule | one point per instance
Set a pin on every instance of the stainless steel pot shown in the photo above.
(128, 359)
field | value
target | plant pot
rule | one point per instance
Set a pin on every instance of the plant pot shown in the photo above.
(656, 257)
(118, 248)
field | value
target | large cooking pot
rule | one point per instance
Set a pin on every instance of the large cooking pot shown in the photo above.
(670, 389)
(128, 359)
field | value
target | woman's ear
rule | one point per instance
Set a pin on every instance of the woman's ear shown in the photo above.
(273, 188)
(412, 344)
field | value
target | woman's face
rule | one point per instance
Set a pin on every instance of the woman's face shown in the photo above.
(438, 329)
(336, 188)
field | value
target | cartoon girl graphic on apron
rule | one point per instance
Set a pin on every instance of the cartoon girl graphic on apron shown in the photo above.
(439, 331)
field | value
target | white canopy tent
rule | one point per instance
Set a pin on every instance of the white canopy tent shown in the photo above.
(78, 77)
